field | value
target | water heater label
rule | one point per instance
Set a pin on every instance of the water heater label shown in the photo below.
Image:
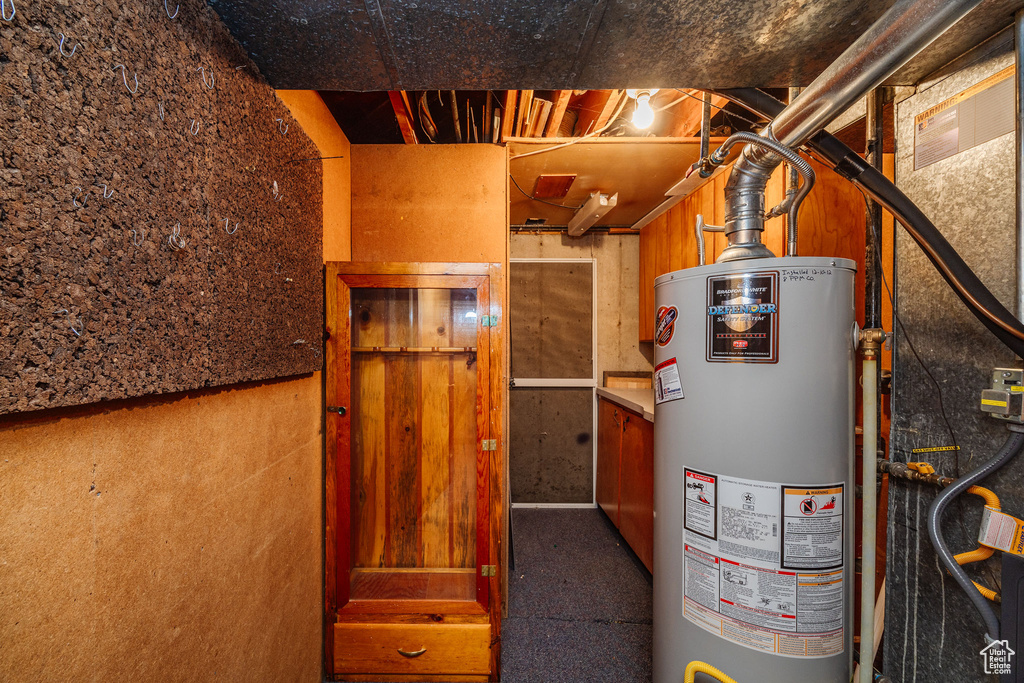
(743, 318)
(812, 528)
(667, 386)
(751, 579)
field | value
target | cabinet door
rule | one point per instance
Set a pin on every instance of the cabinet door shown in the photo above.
(412, 479)
(609, 436)
(636, 497)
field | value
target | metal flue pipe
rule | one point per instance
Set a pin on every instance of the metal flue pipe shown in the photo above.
(899, 34)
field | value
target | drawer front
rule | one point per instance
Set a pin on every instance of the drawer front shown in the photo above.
(444, 648)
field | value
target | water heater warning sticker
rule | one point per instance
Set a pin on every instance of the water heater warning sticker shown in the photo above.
(812, 527)
(667, 386)
(743, 318)
(736, 582)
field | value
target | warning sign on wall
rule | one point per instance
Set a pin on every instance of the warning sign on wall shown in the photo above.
(762, 563)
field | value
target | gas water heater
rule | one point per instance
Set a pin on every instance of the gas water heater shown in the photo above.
(753, 461)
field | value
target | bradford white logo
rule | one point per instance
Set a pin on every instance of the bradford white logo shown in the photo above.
(998, 657)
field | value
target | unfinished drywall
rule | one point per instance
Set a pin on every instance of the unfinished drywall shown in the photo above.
(160, 215)
(932, 633)
(164, 539)
(429, 203)
(316, 120)
(617, 283)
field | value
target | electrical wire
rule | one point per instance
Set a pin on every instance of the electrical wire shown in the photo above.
(537, 199)
(574, 141)
(721, 109)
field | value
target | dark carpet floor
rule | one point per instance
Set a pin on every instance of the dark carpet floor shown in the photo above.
(579, 602)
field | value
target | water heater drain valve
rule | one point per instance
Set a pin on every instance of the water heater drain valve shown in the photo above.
(1005, 399)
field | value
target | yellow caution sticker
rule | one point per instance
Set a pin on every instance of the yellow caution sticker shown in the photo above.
(990, 402)
(1017, 390)
(935, 449)
(1001, 531)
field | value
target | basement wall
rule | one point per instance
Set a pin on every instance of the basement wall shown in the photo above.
(178, 537)
(932, 632)
(164, 539)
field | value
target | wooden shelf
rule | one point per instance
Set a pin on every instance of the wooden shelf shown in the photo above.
(447, 350)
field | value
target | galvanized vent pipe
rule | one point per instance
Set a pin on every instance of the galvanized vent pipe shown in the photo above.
(903, 31)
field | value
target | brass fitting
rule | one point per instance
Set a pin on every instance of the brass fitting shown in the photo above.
(871, 341)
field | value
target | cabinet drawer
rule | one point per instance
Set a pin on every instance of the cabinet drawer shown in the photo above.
(447, 648)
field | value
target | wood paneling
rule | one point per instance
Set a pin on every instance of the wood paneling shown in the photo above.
(831, 224)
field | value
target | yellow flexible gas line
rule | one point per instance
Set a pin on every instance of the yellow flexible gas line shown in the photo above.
(694, 668)
(981, 552)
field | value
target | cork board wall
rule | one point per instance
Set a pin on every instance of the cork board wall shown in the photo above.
(118, 190)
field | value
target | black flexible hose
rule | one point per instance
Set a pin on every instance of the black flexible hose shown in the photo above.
(951, 266)
(1009, 450)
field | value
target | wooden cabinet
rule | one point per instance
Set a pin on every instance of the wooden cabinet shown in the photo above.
(413, 506)
(625, 475)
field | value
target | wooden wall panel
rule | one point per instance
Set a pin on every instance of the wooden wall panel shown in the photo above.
(401, 394)
(420, 203)
(165, 538)
(831, 224)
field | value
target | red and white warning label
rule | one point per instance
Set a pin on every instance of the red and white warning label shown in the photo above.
(667, 386)
(739, 578)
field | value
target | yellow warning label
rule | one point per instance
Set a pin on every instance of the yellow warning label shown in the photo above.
(935, 449)
(1017, 390)
(966, 94)
(990, 402)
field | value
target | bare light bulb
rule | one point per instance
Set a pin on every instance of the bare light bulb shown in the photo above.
(643, 115)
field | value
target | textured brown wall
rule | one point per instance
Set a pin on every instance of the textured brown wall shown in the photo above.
(429, 203)
(165, 539)
(150, 319)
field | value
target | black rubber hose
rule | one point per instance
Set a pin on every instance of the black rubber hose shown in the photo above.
(1009, 450)
(951, 266)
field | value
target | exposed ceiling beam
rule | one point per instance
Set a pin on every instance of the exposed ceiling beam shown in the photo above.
(557, 112)
(403, 112)
(687, 114)
(523, 119)
(508, 115)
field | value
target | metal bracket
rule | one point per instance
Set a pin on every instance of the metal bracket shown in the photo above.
(489, 445)
(489, 321)
(488, 570)
(340, 410)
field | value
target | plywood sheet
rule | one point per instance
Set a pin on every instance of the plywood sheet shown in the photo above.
(165, 539)
(639, 170)
(551, 451)
(551, 317)
(90, 152)
(429, 203)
